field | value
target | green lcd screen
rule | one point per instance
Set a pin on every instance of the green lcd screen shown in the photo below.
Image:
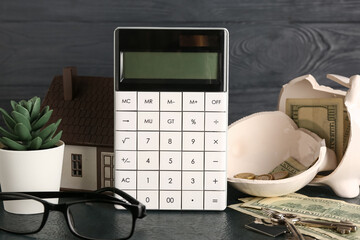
(170, 65)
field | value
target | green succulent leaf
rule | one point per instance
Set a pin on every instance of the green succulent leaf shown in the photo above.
(42, 120)
(22, 132)
(53, 141)
(12, 144)
(22, 103)
(8, 134)
(46, 132)
(23, 111)
(13, 104)
(19, 118)
(35, 143)
(9, 121)
(36, 109)
(28, 105)
(44, 111)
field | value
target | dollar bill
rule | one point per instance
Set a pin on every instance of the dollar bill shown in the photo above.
(346, 129)
(291, 165)
(323, 116)
(307, 208)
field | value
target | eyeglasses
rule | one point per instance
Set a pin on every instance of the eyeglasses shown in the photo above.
(89, 215)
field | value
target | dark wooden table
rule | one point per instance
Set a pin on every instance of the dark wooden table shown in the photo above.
(228, 224)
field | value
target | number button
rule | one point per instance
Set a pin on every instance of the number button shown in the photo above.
(193, 141)
(170, 160)
(193, 121)
(193, 160)
(149, 198)
(170, 180)
(148, 160)
(192, 180)
(125, 100)
(148, 101)
(170, 200)
(170, 141)
(148, 140)
(148, 180)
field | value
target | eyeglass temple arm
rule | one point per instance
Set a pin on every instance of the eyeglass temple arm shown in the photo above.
(127, 197)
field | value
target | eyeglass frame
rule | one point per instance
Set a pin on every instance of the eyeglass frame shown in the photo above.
(137, 209)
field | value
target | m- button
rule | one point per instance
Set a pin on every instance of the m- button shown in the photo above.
(215, 102)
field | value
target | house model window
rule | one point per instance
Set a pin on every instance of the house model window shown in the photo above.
(76, 165)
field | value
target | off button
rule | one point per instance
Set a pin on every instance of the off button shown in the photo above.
(215, 102)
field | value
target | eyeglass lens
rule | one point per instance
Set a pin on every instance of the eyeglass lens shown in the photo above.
(99, 220)
(16, 217)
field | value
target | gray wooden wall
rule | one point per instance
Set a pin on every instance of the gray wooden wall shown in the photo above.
(271, 41)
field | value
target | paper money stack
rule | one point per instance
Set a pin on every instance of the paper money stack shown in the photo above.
(306, 208)
(327, 117)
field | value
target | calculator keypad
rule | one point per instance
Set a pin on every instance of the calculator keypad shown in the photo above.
(170, 148)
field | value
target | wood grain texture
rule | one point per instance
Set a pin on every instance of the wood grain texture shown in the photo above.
(160, 11)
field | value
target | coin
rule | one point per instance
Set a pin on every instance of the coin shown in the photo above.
(280, 175)
(245, 175)
(264, 177)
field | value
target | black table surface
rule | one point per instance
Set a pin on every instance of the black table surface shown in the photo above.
(227, 224)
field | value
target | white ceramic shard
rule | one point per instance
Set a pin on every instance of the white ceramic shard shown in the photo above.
(260, 142)
(345, 179)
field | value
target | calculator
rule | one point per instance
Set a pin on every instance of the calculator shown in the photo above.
(171, 116)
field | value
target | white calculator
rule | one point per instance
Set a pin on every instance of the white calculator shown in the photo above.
(171, 116)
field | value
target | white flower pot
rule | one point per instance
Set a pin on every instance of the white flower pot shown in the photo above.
(29, 171)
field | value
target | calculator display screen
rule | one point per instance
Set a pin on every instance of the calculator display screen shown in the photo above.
(170, 65)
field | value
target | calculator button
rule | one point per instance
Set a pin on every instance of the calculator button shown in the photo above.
(170, 160)
(125, 100)
(148, 160)
(125, 140)
(130, 192)
(170, 200)
(193, 141)
(193, 101)
(125, 121)
(149, 198)
(148, 140)
(215, 121)
(170, 140)
(125, 160)
(193, 121)
(215, 102)
(192, 180)
(215, 141)
(148, 101)
(125, 179)
(170, 101)
(192, 200)
(170, 180)
(215, 200)
(170, 121)
(148, 121)
(193, 160)
(215, 180)
(148, 180)
(215, 161)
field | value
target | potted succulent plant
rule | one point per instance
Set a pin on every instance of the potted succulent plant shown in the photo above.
(31, 154)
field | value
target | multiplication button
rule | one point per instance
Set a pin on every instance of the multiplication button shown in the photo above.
(215, 141)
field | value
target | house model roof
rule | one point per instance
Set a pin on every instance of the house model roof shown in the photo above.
(88, 113)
